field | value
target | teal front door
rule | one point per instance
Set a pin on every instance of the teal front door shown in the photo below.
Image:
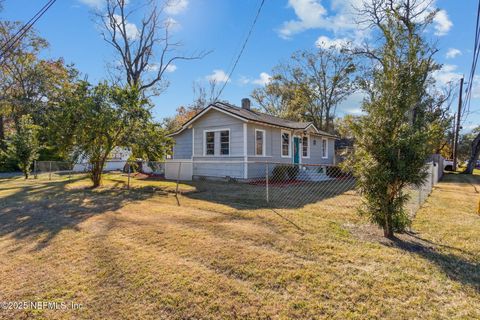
(296, 150)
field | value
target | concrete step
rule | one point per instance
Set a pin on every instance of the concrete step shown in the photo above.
(308, 175)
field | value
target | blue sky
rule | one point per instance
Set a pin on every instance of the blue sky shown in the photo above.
(284, 26)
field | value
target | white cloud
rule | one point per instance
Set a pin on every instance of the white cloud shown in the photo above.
(476, 87)
(176, 6)
(130, 28)
(310, 13)
(447, 74)
(452, 53)
(171, 68)
(442, 23)
(244, 80)
(172, 24)
(263, 79)
(219, 76)
(341, 19)
(93, 3)
(326, 43)
(154, 67)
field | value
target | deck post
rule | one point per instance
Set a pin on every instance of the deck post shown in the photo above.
(35, 169)
(50, 170)
(266, 182)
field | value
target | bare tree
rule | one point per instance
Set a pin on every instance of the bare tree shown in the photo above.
(203, 97)
(146, 51)
(310, 86)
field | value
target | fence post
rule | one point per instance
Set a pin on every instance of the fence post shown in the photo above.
(128, 180)
(50, 170)
(178, 177)
(35, 169)
(433, 175)
(266, 182)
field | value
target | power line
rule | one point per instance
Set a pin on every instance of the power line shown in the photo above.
(23, 30)
(20, 30)
(242, 49)
(476, 53)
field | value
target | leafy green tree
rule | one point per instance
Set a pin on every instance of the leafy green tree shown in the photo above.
(29, 85)
(92, 121)
(152, 143)
(392, 139)
(23, 145)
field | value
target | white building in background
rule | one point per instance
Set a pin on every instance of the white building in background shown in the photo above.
(116, 160)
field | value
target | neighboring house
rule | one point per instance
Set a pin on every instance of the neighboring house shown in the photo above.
(227, 141)
(116, 160)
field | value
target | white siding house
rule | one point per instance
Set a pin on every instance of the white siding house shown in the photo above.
(228, 141)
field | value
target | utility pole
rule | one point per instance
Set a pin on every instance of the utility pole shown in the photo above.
(457, 126)
(454, 127)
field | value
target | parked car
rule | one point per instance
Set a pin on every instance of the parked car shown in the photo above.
(448, 165)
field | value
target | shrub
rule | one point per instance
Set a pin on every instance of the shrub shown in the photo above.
(285, 173)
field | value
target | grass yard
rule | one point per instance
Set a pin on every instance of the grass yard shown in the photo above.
(137, 254)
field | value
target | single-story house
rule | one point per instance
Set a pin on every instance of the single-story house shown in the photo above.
(224, 140)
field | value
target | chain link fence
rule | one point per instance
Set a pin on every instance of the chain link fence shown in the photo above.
(419, 194)
(127, 170)
(237, 183)
(273, 185)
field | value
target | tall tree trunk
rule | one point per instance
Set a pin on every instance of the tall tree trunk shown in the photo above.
(388, 226)
(96, 175)
(475, 151)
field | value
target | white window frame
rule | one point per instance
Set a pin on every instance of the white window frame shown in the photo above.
(289, 144)
(264, 142)
(325, 154)
(220, 144)
(308, 147)
(215, 154)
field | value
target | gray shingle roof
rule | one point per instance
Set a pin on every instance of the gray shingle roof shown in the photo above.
(261, 117)
(253, 115)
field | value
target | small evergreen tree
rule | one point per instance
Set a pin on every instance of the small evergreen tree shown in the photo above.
(392, 139)
(23, 145)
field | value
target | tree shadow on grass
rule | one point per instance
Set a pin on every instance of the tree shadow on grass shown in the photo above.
(454, 266)
(245, 196)
(39, 211)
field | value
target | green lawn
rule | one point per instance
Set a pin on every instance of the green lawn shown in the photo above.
(144, 254)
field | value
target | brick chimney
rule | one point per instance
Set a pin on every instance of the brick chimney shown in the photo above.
(246, 103)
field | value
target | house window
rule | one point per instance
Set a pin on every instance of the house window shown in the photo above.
(259, 142)
(305, 147)
(324, 148)
(210, 143)
(285, 144)
(225, 142)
